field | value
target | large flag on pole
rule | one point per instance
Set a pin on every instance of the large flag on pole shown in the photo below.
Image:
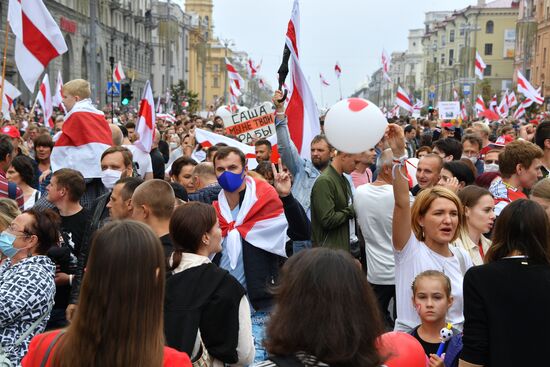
(236, 82)
(146, 120)
(520, 111)
(38, 38)
(525, 88)
(386, 66)
(480, 105)
(118, 73)
(85, 136)
(337, 70)
(303, 118)
(9, 94)
(479, 66)
(57, 99)
(251, 69)
(403, 100)
(324, 82)
(44, 98)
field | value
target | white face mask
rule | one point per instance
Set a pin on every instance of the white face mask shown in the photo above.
(491, 167)
(472, 159)
(109, 177)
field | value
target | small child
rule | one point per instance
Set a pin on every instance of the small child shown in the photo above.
(432, 299)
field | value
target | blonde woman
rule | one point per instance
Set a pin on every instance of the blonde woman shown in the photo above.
(479, 218)
(421, 238)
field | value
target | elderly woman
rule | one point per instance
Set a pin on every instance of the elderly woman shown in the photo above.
(27, 286)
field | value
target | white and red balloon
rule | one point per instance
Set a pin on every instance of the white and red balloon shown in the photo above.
(354, 125)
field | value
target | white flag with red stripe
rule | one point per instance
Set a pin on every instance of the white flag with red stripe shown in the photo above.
(479, 66)
(302, 114)
(512, 100)
(503, 107)
(463, 112)
(233, 75)
(493, 105)
(38, 39)
(527, 102)
(525, 88)
(337, 70)
(261, 221)
(402, 99)
(9, 94)
(394, 112)
(480, 105)
(520, 111)
(455, 95)
(57, 98)
(118, 73)
(84, 137)
(324, 82)
(386, 66)
(44, 98)
(251, 69)
(146, 120)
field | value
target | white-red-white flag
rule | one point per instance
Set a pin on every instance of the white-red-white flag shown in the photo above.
(394, 112)
(512, 100)
(386, 66)
(337, 70)
(480, 105)
(9, 94)
(236, 82)
(118, 73)
(57, 98)
(503, 107)
(519, 112)
(402, 99)
(455, 95)
(324, 82)
(44, 98)
(38, 39)
(84, 137)
(146, 120)
(493, 105)
(525, 88)
(463, 112)
(251, 68)
(479, 66)
(261, 83)
(302, 114)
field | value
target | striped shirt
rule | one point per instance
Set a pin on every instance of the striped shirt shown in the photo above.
(4, 191)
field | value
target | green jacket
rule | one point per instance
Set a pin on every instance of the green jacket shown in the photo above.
(331, 210)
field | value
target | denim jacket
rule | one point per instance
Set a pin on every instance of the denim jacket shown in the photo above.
(303, 170)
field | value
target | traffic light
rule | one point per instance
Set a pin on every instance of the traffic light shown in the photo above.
(126, 94)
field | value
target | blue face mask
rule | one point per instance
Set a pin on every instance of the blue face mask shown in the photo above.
(230, 181)
(6, 244)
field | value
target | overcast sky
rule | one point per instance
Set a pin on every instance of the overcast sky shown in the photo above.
(352, 32)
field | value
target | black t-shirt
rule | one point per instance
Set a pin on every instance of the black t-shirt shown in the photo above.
(429, 348)
(167, 245)
(73, 228)
(157, 160)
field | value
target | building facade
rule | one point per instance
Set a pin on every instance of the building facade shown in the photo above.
(541, 64)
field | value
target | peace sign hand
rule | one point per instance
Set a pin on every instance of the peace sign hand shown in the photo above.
(281, 180)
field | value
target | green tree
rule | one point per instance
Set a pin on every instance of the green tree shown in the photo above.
(484, 87)
(179, 94)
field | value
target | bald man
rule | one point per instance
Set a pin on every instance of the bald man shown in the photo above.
(206, 183)
(153, 204)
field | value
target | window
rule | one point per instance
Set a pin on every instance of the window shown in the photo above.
(487, 71)
(443, 41)
(216, 82)
(462, 29)
(451, 57)
(451, 35)
(544, 57)
(488, 49)
(442, 61)
(216, 68)
(162, 58)
(489, 27)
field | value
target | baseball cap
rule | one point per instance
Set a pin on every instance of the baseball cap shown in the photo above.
(448, 126)
(11, 131)
(503, 140)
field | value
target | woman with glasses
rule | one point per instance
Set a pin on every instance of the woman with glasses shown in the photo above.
(27, 286)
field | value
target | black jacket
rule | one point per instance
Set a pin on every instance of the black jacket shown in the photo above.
(208, 298)
(261, 268)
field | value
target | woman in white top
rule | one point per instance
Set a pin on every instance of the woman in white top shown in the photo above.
(21, 172)
(205, 307)
(479, 217)
(421, 238)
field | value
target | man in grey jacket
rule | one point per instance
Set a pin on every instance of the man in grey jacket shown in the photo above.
(304, 171)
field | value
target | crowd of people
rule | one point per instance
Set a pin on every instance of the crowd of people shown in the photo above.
(182, 256)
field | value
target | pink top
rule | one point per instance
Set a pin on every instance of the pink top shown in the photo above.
(361, 178)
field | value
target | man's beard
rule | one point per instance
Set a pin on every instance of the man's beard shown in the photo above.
(319, 164)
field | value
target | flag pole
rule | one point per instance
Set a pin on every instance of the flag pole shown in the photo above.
(322, 99)
(4, 66)
(340, 87)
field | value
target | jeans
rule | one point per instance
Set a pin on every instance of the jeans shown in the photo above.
(259, 320)
(298, 246)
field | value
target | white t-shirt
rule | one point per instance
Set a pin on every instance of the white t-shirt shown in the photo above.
(374, 211)
(141, 159)
(415, 258)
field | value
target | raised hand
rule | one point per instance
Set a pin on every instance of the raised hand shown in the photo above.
(277, 96)
(395, 137)
(281, 180)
